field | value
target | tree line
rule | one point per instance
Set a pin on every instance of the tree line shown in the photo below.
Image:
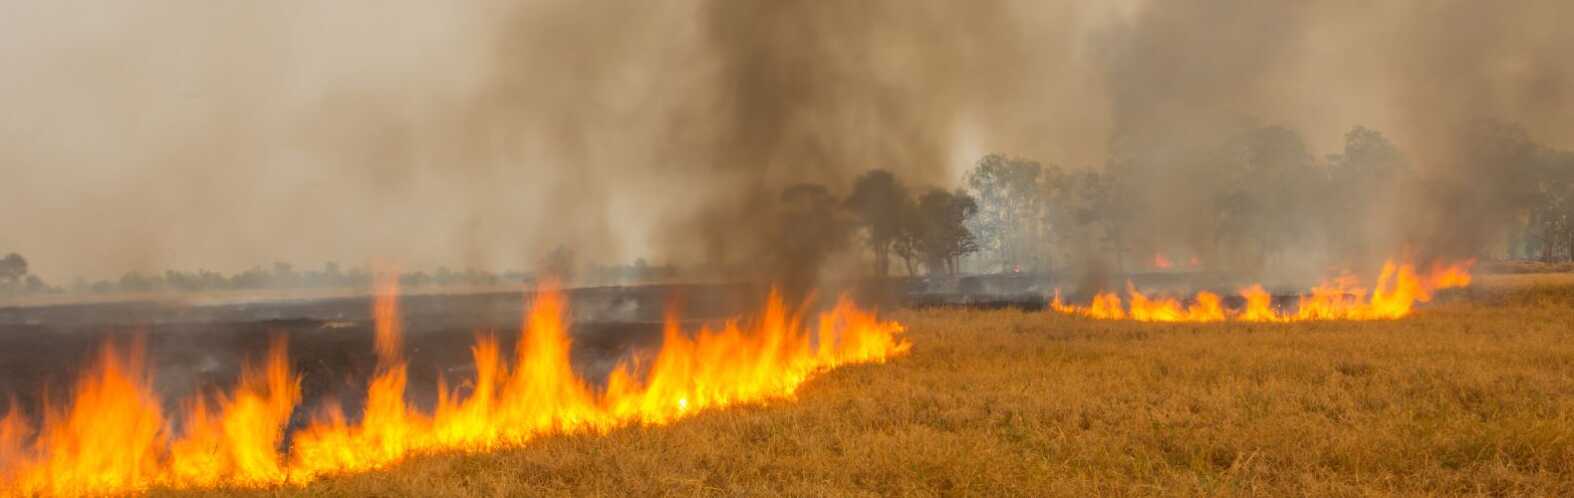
(928, 230)
(1248, 199)
(15, 279)
(1261, 196)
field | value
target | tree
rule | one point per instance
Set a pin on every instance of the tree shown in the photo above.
(1053, 220)
(809, 228)
(1362, 181)
(1551, 223)
(1501, 173)
(945, 237)
(1267, 190)
(880, 201)
(1009, 205)
(13, 267)
(1084, 207)
(285, 276)
(909, 239)
(558, 265)
(137, 282)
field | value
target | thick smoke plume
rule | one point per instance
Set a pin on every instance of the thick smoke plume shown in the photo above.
(193, 134)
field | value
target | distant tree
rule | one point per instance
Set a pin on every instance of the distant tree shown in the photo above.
(1054, 219)
(33, 285)
(1368, 152)
(1009, 201)
(880, 202)
(285, 276)
(1080, 210)
(945, 237)
(1551, 221)
(1362, 179)
(137, 282)
(1501, 173)
(642, 271)
(415, 279)
(12, 268)
(332, 276)
(1098, 205)
(212, 280)
(1267, 188)
(445, 276)
(181, 281)
(254, 278)
(909, 241)
(809, 229)
(558, 264)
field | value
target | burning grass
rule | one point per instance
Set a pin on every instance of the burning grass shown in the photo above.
(111, 436)
(1464, 397)
(1399, 288)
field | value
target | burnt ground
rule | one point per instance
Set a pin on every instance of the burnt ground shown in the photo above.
(194, 347)
(190, 348)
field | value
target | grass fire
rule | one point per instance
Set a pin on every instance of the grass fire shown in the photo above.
(1398, 290)
(111, 437)
(786, 248)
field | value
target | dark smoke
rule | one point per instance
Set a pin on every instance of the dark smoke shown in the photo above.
(814, 93)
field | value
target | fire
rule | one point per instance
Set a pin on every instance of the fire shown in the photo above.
(1399, 287)
(1161, 262)
(112, 437)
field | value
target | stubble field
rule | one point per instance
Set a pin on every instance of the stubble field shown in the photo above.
(1470, 396)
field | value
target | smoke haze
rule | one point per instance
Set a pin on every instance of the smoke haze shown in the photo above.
(187, 134)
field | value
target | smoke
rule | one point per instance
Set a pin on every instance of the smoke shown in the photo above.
(191, 134)
(1204, 93)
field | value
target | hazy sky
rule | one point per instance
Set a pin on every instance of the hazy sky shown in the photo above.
(220, 135)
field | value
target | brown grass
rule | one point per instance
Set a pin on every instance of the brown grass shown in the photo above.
(1470, 397)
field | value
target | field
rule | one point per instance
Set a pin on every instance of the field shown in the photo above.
(1470, 396)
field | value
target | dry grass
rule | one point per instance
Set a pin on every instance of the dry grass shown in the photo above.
(1467, 398)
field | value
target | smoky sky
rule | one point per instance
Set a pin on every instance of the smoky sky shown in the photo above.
(187, 134)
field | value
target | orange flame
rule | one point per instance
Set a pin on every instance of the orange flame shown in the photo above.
(389, 338)
(1161, 262)
(241, 444)
(1398, 289)
(112, 437)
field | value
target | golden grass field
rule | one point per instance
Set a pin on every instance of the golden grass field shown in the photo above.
(1473, 396)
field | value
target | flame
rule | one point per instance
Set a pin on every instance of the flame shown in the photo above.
(106, 440)
(113, 438)
(241, 444)
(1398, 289)
(1161, 262)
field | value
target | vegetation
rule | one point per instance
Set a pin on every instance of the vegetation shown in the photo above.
(1467, 397)
(931, 230)
(1250, 200)
(14, 277)
(1260, 197)
(284, 276)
